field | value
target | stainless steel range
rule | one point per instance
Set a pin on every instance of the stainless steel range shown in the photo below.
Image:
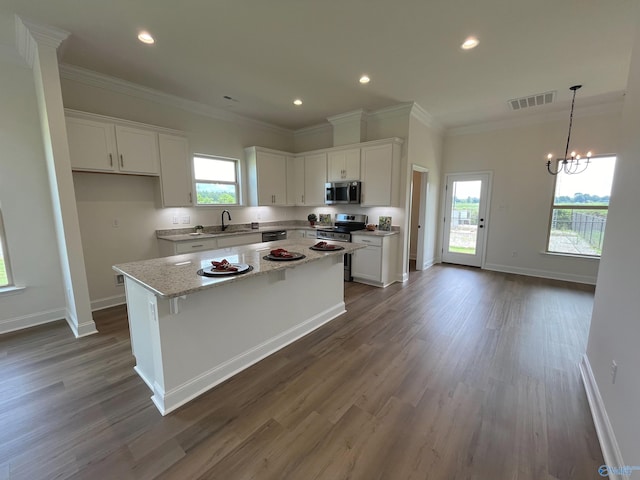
(345, 223)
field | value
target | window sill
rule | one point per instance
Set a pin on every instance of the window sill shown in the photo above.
(10, 290)
(570, 255)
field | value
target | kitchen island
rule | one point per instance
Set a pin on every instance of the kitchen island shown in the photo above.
(191, 332)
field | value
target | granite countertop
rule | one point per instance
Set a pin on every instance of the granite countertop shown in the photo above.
(376, 233)
(175, 276)
(232, 231)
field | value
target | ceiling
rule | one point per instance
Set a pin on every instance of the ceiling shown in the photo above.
(265, 54)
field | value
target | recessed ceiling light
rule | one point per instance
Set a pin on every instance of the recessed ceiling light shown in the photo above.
(297, 101)
(145, 37)
(470, 43)
(365, 79)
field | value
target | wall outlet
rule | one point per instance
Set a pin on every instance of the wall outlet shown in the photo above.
(175, 220)
(186, 219)
(119, 280)
(614, 371)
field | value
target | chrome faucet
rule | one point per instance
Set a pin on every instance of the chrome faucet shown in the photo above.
(229, 215)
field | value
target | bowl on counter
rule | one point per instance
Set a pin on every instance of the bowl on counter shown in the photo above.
(371, 227)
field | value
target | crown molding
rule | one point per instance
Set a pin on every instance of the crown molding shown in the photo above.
(359, 115)
(31, 35)
(507, 123)
(312, 129)
(117, 85)
(401, 109)
(426, 118)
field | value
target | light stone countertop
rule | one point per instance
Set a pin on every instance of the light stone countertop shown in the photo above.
(376, 233)
(184, 237)
(175, 276)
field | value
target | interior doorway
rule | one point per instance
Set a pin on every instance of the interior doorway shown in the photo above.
(417, 220)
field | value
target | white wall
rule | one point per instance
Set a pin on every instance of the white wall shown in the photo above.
(135, 201)
(26, 204)
(523, 190)
(615, 325)
(425, 149)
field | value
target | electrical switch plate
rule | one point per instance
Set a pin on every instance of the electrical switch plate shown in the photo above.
(175, 219)
(116, 222)
(186, 219)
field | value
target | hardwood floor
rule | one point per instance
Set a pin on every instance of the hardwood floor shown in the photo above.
(457, 374)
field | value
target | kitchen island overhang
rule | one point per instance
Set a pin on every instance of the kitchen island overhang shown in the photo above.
(190, 333)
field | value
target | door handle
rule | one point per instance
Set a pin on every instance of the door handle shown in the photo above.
(121, 161)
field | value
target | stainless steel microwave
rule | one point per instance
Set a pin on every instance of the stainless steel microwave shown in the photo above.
(342, 192)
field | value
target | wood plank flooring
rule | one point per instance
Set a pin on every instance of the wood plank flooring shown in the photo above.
(457, 374)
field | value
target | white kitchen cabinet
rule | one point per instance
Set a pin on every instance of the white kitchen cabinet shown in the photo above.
(100, 146)
(374, 265)
(168, 247)
(343, 165)
(295, 180)
(175, 171)
(92, 145)
(235, 240)
(315, 177)
(379, 173)
(267, 176)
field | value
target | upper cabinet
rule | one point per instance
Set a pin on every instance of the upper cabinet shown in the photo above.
(92, 145)
(267, 176)
(380, 165)
(315, 176)
(295, 180)
(343, 165)
(137, 151)
(175, 171)
(102, 146)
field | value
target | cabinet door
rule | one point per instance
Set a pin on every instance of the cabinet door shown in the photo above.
(343, 165)
(196, 245)
(315, 176)
(137, 150)
(377, 164)
(367, 263)
(271, 178)
(235, 240)
(92, 145)
(295, 181)
(175, 171)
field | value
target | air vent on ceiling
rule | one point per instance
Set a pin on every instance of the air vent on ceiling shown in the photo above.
(532, 100)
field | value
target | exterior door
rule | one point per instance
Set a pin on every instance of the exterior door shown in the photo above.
(465, 221)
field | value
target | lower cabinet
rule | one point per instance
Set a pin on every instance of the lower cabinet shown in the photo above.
(235, 240)
(310, 234)
(168, 247)
(374, 265)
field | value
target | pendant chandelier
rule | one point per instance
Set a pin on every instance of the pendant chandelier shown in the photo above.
(571, 163)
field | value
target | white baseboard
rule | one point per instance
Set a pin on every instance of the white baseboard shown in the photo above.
(31, 320)
(166, 402)
(80, 329)
(606, 436)
(108, 302)
(532, 272)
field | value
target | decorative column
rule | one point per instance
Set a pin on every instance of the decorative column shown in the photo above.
(38, 45)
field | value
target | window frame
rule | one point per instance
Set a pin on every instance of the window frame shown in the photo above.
(5, 254)
(196, 181)
(564, 206)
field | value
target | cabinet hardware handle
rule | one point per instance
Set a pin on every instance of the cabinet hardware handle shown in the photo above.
(190, 197)
(196, 246)
(121, 161)
(111, 160)
(303, 198)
